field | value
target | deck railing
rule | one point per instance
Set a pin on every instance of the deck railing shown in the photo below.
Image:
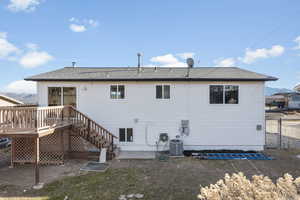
(30, 118)
(40, 118)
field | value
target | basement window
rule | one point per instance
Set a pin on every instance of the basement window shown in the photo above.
(224, 94)
(162, 92)
(126, 135)
(117, 91)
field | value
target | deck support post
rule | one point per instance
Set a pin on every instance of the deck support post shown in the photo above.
(280, 133)
(37, 160)
(70, 141)
(62, 136)
(13, 152)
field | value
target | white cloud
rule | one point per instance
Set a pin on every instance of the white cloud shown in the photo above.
(186, 55)
(34, 59)
(78, 25)
(149, 65)
(21, 86)
(73, 19)
(77, 28)
(92, 22)
(253, 55)
(297, 40)
(32, 46)
(168, 60)
(23, 5)
(28, 58)
(227, 62)
(3, 35)
(7, 49)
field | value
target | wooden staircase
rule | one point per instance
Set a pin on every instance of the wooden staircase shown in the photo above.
(91, 131)
(43, 121)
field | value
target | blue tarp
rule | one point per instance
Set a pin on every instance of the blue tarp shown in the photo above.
(232, 156)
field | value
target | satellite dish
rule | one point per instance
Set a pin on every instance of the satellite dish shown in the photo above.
(190, 62)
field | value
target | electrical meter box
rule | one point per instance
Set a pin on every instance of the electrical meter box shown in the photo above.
(185, 129)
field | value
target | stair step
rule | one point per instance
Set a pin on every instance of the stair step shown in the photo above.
(90, 131)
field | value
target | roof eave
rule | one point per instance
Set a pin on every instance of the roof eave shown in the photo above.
(11, 100)
(157, 79)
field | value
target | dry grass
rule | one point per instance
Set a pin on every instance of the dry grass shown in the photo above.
(260, 187)
(109, 185)
(171, 180)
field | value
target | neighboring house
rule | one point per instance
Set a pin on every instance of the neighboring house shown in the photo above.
(278, 101)
(290, 100)
(207, 107)
(8, 101)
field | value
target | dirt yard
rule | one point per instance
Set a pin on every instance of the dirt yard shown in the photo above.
(174, 179)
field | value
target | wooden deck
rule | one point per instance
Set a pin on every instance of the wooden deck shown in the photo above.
(43, 135)
(35, 133)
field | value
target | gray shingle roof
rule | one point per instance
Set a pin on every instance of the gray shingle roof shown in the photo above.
(150, 74)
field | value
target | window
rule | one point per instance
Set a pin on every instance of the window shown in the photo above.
(117, 91)
(216, 94)
(126, 135)
(58, 96)
(220, 94)
(163, 92)
(295, 97)
(54, 96)
(69, 96)
(231, 94)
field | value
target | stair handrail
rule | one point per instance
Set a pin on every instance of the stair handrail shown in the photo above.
(92, 121)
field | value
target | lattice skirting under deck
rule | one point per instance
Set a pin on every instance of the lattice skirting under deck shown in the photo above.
(53, 149)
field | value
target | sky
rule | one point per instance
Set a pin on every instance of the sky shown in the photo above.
(42, 35)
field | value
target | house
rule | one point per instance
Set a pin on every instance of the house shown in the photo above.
(206, 107)
(8, 101)
(276, 101)
(290, 100)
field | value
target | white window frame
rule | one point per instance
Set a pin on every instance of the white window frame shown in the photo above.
(117, 97)
(163, 91)
(223, 94)
(126, 132)
(62, 94)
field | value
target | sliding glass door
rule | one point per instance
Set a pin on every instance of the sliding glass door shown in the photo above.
(58, 96)
(69, 96)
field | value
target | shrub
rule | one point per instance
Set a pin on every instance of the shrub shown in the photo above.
(238, 187)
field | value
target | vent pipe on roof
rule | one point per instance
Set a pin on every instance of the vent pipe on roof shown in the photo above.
(139, 61)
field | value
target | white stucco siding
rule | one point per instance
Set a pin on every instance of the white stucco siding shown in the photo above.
(211, 126)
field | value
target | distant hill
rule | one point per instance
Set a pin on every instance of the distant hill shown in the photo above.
(25, 98)
(270, 91)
